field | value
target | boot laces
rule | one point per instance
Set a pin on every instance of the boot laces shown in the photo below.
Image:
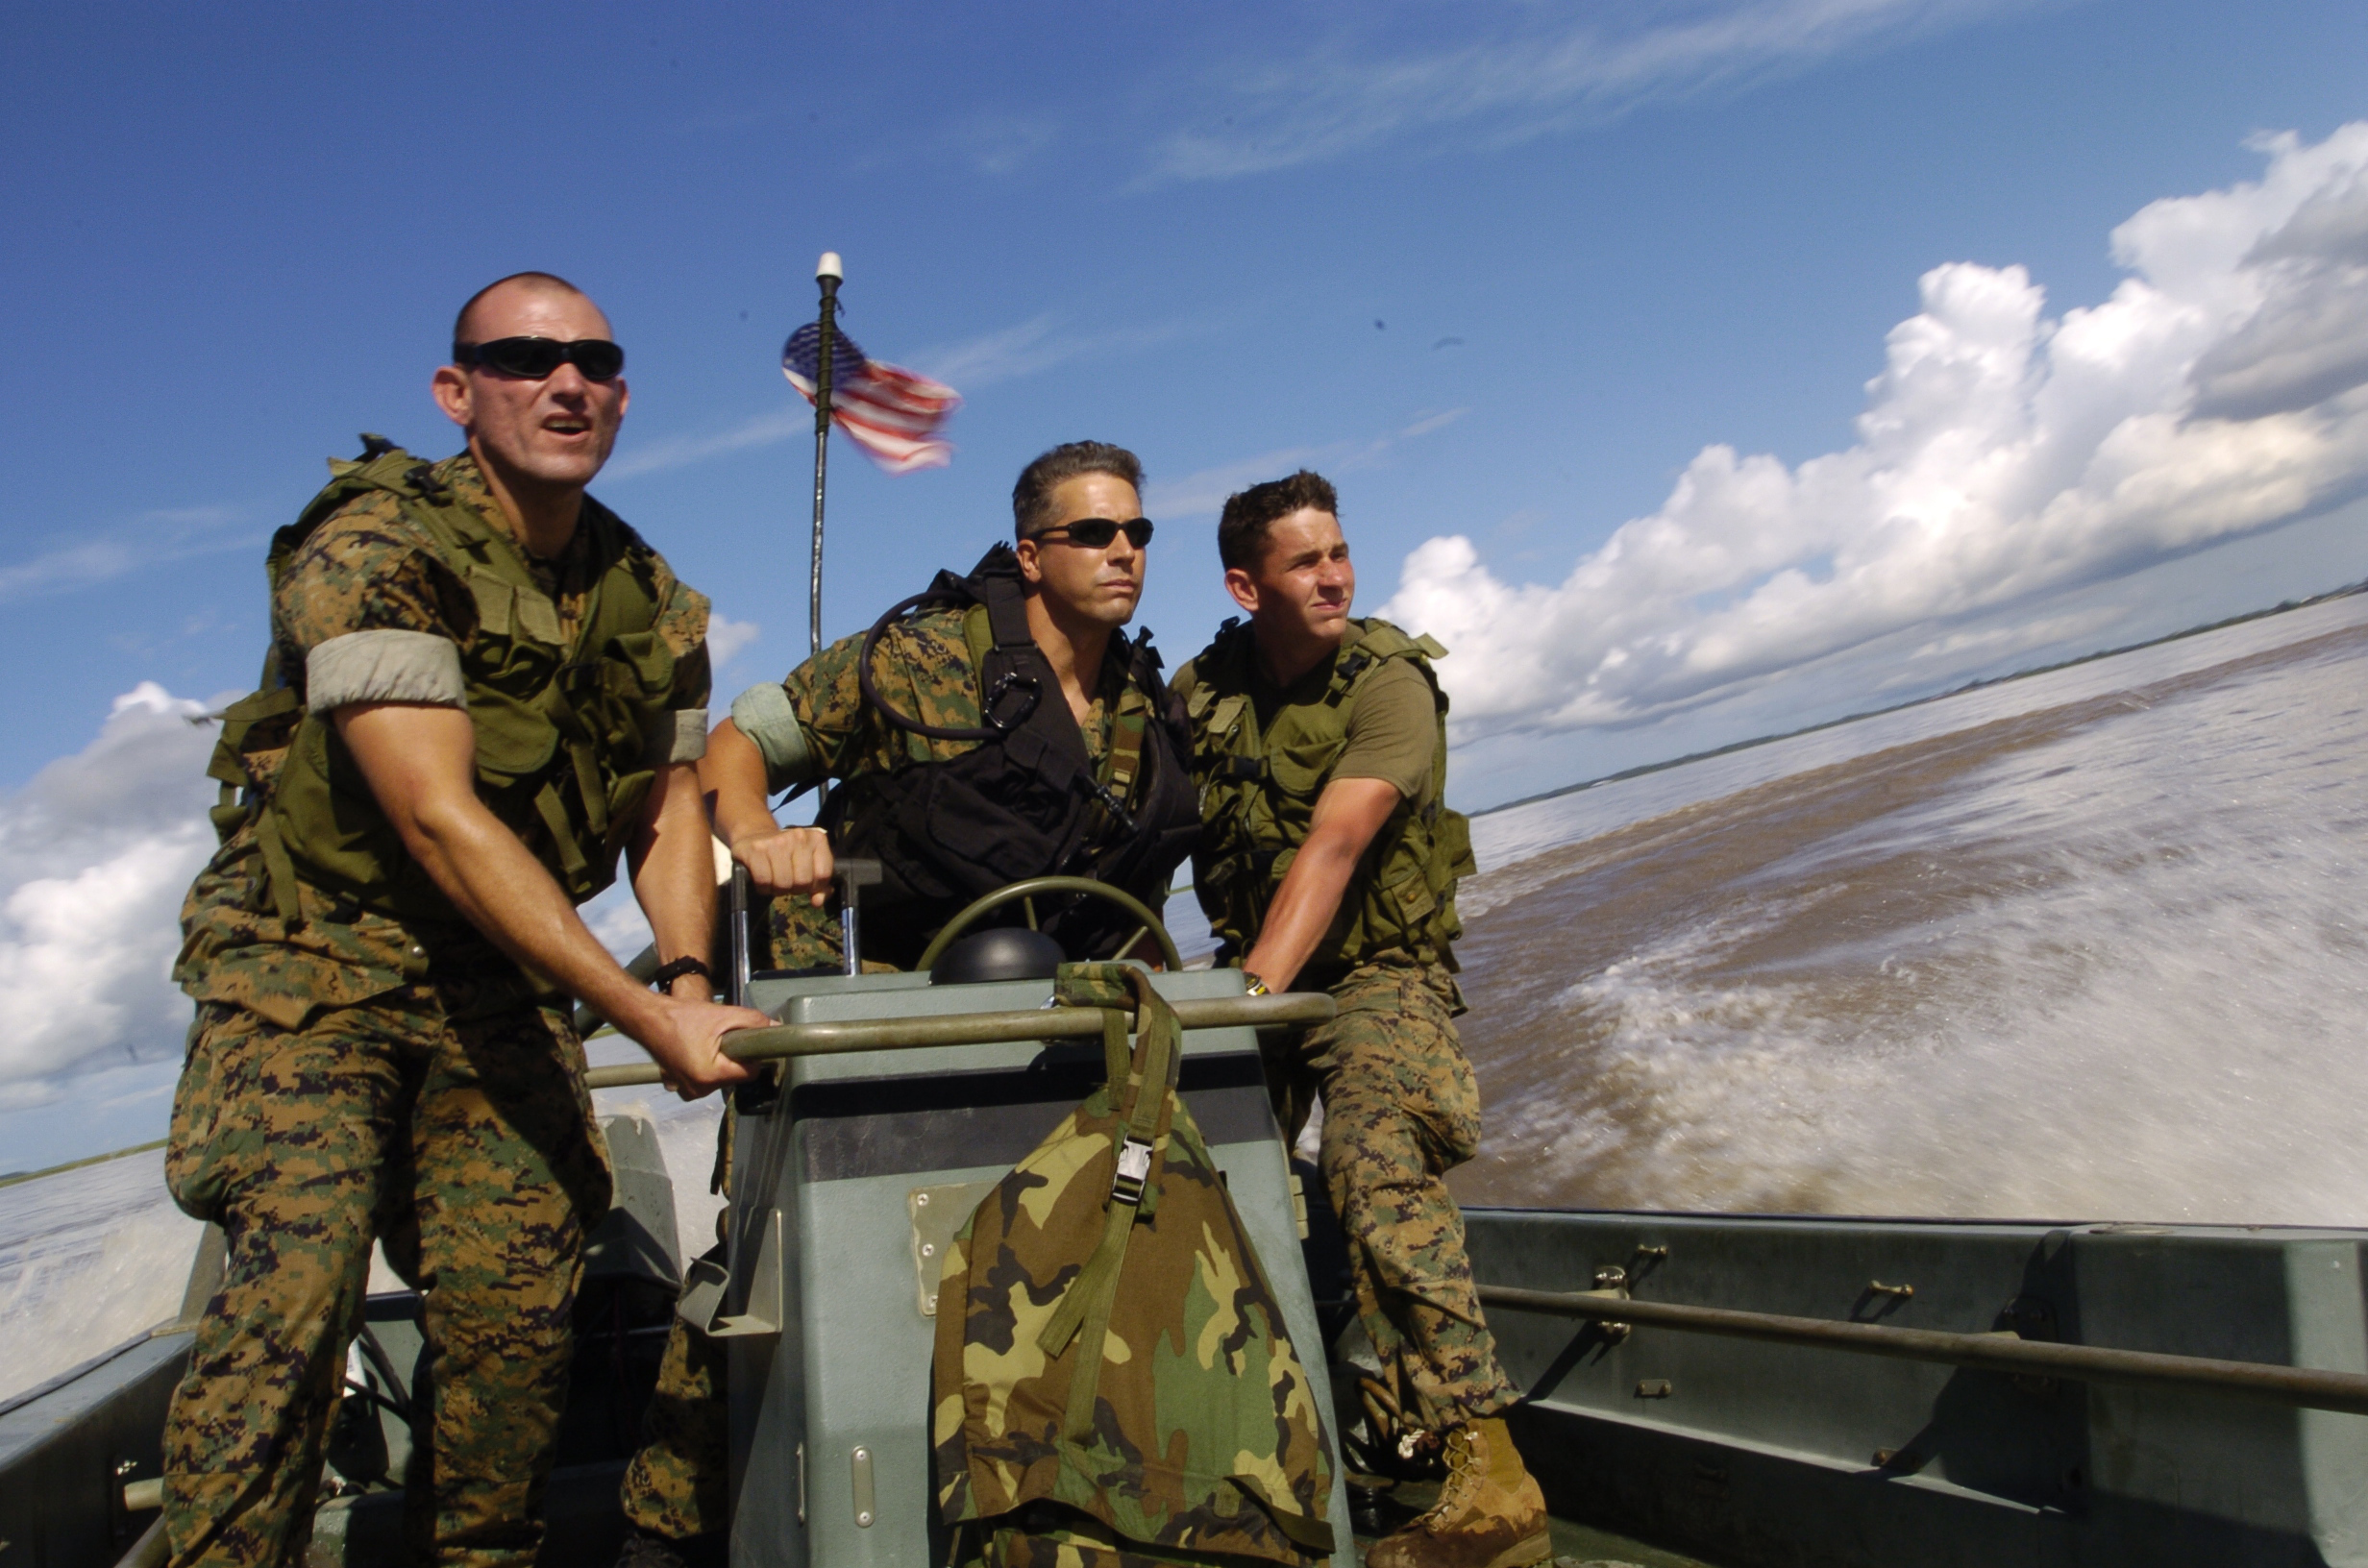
(1464, 1471)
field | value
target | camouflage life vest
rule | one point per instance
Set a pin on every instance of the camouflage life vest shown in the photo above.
(1258, 792)
(1119, 1384)
(1026, 799)
(562, 754)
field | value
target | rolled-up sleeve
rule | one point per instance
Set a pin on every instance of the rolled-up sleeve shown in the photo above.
(679, 735)
(385, 666)
(765, 715)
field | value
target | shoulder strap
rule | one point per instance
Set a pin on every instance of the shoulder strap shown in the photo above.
(1130, 727)
(1381, 643)
(996, 583)
(486, 558)
(381, 466)
(621, 598)
(1125, 759)
(1007, 697)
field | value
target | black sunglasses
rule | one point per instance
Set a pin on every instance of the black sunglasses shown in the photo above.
(1096, 532)
(537, 359)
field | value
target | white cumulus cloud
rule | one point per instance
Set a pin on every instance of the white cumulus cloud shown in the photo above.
(2004, 456)
(727, 639)
(95, 853)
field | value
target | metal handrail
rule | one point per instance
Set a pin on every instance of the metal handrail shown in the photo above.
(1290, 1010)
(2310, 1388)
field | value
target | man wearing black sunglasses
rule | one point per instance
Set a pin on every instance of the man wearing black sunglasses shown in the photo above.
(1023, 658)
(998, 727)
(483, 688)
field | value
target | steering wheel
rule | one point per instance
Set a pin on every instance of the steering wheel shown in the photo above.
(1025, 894)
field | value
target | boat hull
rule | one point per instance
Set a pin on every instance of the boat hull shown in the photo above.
(1758, 1452)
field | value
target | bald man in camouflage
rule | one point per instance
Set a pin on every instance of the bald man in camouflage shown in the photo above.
(483, 689)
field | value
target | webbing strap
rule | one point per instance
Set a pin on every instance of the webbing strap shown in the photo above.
(1007, 612)
(278, 870)
(562, 836)
(1097, 1286)
(1126, 753)
(1084, 1312)
(588, 790)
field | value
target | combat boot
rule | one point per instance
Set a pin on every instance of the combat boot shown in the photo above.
(1489, 1513)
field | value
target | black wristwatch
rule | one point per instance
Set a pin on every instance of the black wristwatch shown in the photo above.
(668, 973)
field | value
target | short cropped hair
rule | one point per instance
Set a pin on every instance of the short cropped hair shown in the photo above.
(1031, 498)
(1242, 528)
(547, 281)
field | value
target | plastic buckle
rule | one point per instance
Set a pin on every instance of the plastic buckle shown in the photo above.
(1110, 803)
(1134, 1168)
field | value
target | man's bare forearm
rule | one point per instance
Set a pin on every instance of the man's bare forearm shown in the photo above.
(420, 763)
(795, 860)
(1348, 815)
(1302, 911)
(500, 888)
(674, 866)
(733, 772)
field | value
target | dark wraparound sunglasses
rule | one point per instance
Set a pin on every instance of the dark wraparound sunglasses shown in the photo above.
(1096, 532)
(537, 359)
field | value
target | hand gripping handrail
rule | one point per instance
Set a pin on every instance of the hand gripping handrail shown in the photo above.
(1290, 1010)
(2310, 1388)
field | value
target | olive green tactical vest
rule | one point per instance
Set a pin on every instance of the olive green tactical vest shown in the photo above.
(564, 757)
(1258, 797)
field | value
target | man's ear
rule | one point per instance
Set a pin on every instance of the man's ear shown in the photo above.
(1031, 570)
(451, 391)
(1244, 588)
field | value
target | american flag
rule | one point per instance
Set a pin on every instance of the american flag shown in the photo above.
(889, 411)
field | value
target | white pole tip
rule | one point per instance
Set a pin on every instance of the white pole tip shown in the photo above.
(829, 267)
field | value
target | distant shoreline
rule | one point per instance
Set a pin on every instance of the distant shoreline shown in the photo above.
(17, 1177)
(1639, 772)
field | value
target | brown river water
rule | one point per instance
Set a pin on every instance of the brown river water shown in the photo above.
(2101, 958)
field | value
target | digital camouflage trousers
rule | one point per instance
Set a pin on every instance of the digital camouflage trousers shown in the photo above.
(460, 1135)
(1401, 1110)
(677, 1485)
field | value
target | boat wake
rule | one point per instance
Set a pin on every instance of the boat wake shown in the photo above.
(2101, 960)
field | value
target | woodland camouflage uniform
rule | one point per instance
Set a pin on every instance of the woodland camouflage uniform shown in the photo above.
(353, 1076)
(675, 1486)
(1400, 1105)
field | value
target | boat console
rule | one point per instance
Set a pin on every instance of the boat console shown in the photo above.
(851, 1171)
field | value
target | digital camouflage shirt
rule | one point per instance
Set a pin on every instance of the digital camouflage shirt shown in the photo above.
(368, 567)
(925, 669)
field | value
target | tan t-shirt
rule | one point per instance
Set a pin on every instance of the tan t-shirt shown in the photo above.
(1392, 724)
(1393, 730)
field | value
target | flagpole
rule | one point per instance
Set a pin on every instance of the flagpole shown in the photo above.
(828, 272)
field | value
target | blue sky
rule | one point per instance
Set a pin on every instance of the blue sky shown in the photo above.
(1507, 271)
